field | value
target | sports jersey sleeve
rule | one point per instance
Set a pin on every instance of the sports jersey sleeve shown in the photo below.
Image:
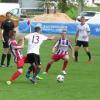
(77, 29)
(43, 37)
(57, 43)
(16, 46)
(88, 28)
(27, 37)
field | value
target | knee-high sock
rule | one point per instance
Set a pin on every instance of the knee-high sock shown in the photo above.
(8, 59)
(65, 65)
(34, 69)
(30, 69)
(48, 67)
(15, 76)
(89, 55)
(76, 55)
(37, 72)
(3, 59)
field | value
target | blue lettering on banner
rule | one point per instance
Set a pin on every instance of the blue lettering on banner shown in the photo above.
(56, 28)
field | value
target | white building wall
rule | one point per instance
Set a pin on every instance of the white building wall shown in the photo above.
(29, 3)
(97, 1)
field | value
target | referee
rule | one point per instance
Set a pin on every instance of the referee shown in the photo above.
(82, 38)
(6, 26)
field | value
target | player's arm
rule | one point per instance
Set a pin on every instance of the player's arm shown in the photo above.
(72, 51)
(20, 44)
(88, 30)
(51, 38)
(76, 36)
(26, 37)
(55, 47)
(1, 32)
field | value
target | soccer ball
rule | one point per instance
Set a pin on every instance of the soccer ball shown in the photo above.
(60, 78)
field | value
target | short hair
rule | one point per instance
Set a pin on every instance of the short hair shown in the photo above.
(8, 13)
(37, 29)
(83, 17)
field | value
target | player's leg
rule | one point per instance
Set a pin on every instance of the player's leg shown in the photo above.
(48, 66)
(30, 60)
(78, 44)
(15, 75)
(55, 57)
(86, 49)
(88, 53)
(8, 58)
(65, 63)
(27, 60)
(20, 64)
(29, 70)
(5, 52)
(37, 67)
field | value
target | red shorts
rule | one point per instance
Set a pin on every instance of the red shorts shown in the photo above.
(25, 59)
(56, 57)
(20, 63)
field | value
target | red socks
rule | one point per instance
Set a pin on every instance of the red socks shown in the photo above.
(15, 76)
(48, 67)
(65, 65)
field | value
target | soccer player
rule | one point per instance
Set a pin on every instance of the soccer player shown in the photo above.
(6, 26)
(60, 51)
(16, 49)
(82, 38)
(33, 55)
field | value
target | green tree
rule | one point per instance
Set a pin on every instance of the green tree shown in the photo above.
(62, 5)
(81, 5)
(9, 0)
(47, 4)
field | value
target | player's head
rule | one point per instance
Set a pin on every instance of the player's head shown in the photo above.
(82, 20)
(12, 35)
(8, 15)
(38, 28)
(64, 34)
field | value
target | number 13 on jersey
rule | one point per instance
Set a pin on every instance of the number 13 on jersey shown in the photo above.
(35, 39)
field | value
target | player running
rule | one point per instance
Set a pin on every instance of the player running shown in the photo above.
(33, 54)
(16, 50)
(60, 51)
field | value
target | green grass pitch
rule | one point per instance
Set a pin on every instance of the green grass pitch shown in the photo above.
(81, 83)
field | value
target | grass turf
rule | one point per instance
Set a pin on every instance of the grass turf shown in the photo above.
(81, 83)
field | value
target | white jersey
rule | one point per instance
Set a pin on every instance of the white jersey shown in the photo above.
(62, 46)
(34, 41)
(83, 31)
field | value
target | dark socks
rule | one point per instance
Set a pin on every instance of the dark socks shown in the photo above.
(30, 69)
(3, 59)
(37, 72)
(76, 56)
(8, 59)
(89, 55)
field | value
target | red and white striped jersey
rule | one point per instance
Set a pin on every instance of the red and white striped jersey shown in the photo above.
(62, 46)
(16, 49)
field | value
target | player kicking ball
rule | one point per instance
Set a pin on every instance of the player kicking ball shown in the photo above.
(33, 51)
(16, 50)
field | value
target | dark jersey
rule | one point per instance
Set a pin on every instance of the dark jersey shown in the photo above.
(7, 26)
